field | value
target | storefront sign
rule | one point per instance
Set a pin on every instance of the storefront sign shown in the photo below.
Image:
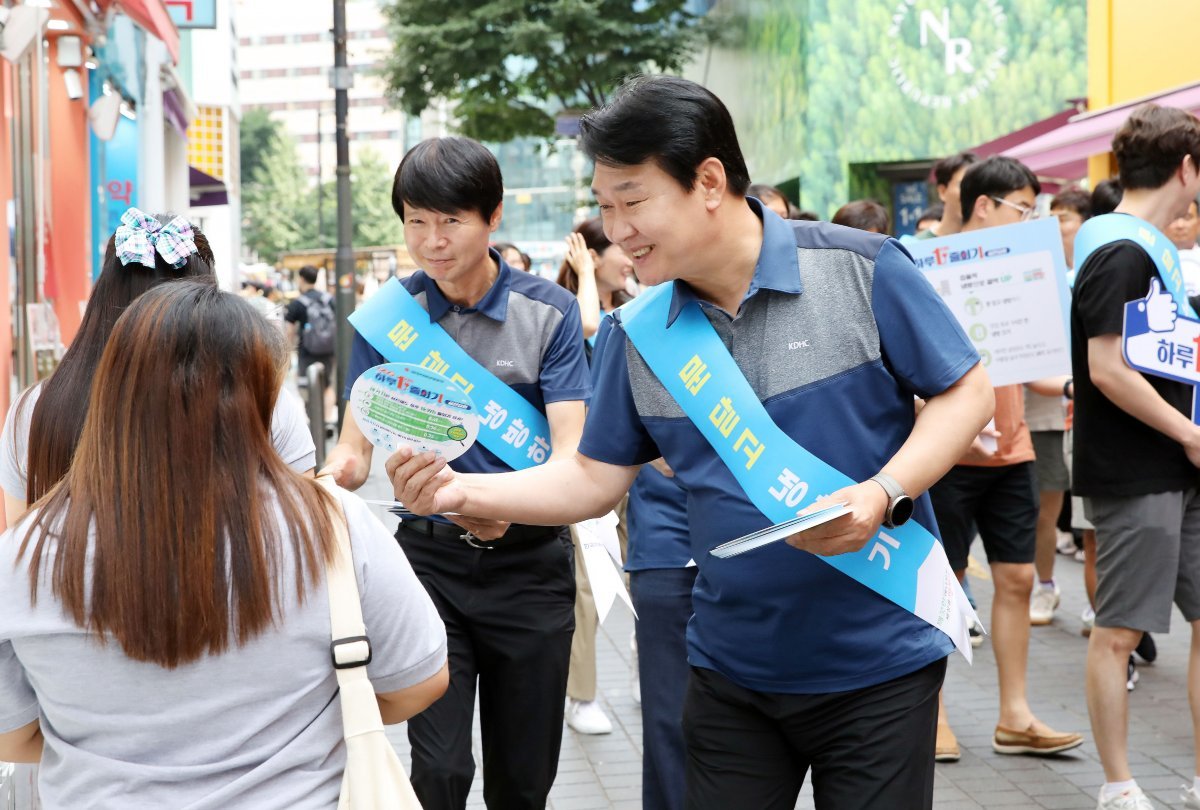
(193, 13)
(946, 52)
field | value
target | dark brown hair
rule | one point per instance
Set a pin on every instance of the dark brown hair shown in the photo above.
(171, 500)
(864, 215)
(57, 418)
(1106, 196)
(945, 169)
(1073, 199)
(1152, 143)
(592, 231)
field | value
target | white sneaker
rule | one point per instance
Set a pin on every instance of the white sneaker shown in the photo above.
(1065, 543)
(1079, 556)
(1190, 798)
(635, 681)
(975, 632)
(1130, 799)
(1088, 618)
(586, 717)
(1043, 603)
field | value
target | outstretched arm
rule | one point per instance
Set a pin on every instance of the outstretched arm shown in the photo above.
(563, 490)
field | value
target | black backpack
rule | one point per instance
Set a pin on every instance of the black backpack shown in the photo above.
(320, 329)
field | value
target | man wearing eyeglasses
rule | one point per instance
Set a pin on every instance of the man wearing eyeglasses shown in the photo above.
(994, 489)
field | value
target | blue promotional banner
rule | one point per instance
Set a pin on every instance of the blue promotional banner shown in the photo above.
(1008, 288)
(906, 565)
(1158, 340)
(1109, 228)
(399, 328)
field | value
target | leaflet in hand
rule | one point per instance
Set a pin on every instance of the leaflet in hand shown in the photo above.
(398, 509)
(398, 404)
(779, 531)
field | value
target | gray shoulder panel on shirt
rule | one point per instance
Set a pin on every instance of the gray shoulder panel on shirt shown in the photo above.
(785, 342)
(512, 350)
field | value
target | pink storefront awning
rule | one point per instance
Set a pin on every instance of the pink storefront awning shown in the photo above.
(1063, 152)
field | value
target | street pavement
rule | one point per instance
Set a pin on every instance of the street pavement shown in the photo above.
(603, 772)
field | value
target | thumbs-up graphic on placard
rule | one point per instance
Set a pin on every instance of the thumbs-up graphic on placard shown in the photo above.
(1160, 308)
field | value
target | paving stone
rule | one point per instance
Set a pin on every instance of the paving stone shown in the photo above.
(604, 773)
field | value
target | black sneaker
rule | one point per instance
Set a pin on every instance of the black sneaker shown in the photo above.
(976, 634)
(1146, 649)
(1131, 675)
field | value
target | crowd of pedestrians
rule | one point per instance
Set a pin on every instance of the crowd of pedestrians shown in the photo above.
(166, 538)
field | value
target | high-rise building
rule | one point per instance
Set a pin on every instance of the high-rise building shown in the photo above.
(285, 57)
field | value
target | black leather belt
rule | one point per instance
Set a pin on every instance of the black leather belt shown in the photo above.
(517, 536)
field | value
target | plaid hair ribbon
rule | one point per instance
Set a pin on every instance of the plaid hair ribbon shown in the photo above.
(139, 235)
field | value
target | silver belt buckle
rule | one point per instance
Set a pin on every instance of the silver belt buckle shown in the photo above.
(470, 538)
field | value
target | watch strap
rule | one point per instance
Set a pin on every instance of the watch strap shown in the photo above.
(890, 485)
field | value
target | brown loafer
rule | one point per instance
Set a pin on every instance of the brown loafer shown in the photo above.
(1029, 741)
(946, 747)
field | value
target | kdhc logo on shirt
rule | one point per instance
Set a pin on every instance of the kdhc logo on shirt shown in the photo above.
(798, 344)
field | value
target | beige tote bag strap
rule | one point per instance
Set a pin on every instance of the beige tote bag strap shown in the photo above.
(350, 648)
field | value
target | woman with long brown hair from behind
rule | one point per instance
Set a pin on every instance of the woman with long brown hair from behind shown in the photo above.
(164, 625)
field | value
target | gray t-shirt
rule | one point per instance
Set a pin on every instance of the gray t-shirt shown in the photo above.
(259, 727)
(289, 435)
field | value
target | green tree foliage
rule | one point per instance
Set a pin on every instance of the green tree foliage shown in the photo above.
(257, 135)
(279, 204)
(508, 65)
(829, 96)
(375, 223)
(278, 207)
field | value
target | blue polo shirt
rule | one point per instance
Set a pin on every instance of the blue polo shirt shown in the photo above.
(656, 513)
(657, 516)
(837, 333)
(525, 330)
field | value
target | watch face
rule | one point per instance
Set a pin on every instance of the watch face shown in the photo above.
(901, 510)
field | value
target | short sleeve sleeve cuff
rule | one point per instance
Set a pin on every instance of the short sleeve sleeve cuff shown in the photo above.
(924, 345)
(564, 375)
(614, 433)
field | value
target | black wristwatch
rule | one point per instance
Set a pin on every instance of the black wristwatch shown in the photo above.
(900, 505)
(1067, 392)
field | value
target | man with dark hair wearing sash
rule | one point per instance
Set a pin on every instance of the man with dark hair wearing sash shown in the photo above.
(774, 367)
(506, 593)
(1136, 447)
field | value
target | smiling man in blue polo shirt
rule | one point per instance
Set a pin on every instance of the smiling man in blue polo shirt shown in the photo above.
(795, 664)
(505, 592)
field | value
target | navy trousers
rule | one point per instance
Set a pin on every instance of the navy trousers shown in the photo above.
(663, 600)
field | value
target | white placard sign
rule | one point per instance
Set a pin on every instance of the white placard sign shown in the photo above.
(1007, 287)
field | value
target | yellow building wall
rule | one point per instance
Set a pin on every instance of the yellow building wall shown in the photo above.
(1138, 48)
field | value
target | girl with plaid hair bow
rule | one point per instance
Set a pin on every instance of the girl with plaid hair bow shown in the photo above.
(44, 424)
